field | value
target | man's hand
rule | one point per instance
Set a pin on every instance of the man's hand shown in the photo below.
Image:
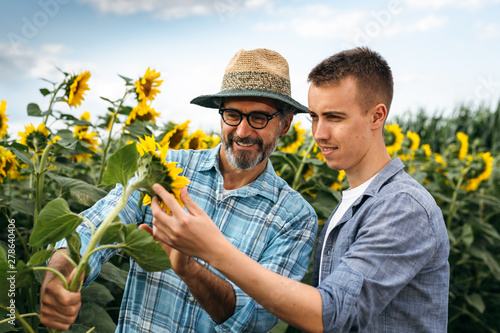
(192, 232)
(59, 307)
(181, 264)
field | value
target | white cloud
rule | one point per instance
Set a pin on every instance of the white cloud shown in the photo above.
(427, 23)
(487, 30)
(37, 63)
(437, 4)
(174, 9)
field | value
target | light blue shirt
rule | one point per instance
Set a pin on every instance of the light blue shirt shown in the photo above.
(385, 264)
(266, 220)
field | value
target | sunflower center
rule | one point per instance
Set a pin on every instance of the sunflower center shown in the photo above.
(36, 140)
(146, 87)
(176, 138)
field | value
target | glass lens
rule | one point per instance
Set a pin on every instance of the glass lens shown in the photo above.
(258, 119)
(231, 117)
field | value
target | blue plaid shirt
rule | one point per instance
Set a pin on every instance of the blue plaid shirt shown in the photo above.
(266, 220)
(385, 265)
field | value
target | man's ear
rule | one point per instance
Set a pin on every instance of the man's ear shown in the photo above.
(287, 123)
(379, 115)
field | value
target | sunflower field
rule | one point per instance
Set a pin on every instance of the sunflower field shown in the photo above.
(62, 163)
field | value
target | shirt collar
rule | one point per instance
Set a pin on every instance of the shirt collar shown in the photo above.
(392, 168)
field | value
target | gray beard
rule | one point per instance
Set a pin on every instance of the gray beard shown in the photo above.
(244, 161)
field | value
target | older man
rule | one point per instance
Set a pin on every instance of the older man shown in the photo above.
(237, 187)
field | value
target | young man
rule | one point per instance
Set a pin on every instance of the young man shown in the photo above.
(381, 261)
(236, 185)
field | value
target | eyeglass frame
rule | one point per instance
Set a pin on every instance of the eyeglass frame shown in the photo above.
(247, 116)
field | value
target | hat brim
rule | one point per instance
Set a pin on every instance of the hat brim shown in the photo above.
(213, 101)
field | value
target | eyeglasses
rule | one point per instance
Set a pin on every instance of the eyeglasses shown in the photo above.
(256, 119)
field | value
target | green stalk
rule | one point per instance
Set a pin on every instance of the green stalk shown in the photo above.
(453, 207)
(39, 181)
(100, 232)
(106, 147)
(298, 173)
(52, 101)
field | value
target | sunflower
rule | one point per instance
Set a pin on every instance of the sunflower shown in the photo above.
(8, 165)
(35, 138)
(89, 140)
(393, 137)
(142, 112)
(293, 140)
(155, 169)
(427, 150)
(83, 128)
(76, 88)
(337, 185)
(174, 137)
(197, 140)
(485, 163)
(3, 119)
(464, 145)
(147, 86)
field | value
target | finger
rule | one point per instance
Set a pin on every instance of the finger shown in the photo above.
(191, 206)
(169, 199)
(147, 228)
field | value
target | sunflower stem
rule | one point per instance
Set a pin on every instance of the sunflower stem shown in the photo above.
(96, 237)
(108, 141)
(52, 101)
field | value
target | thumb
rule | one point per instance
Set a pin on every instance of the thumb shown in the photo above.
(147, 228)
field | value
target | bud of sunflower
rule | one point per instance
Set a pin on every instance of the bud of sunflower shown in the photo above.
(154, 169)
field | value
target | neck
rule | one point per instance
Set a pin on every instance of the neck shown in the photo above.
(235, 178)
(371, 164)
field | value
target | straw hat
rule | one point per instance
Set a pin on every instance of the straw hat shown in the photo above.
(259, 72)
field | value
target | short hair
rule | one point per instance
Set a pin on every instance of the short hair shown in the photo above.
(371, 72)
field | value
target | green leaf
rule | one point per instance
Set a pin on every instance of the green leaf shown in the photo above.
(40, 257)
(122, 166)
(83, 192)
(476, 301)
(34, 110)
(94, 315)
(114, 274)
(25, 206)
(467, 235)
(55, 222)
(147, 252)
(45, 91)
(74, 245)
(116, 233)
(24, 276)
(97, 293)
(27, 160)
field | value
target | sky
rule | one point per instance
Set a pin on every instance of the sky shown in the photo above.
(442, 52)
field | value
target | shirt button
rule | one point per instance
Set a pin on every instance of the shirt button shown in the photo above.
(191, 298)
(218, 192)
(202, 262)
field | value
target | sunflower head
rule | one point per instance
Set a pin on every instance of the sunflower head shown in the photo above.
(35, 138)
(83, 128)
(393, 137)
(154, 169)
(76, 88)
(147, 86)
(480, 168)
(3, 119)
(197, 140)
(464, 145)
(143, 112)
(175, 136)
(8, 164)
(293, 140)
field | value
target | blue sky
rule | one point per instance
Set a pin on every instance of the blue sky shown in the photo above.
(442, 52)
